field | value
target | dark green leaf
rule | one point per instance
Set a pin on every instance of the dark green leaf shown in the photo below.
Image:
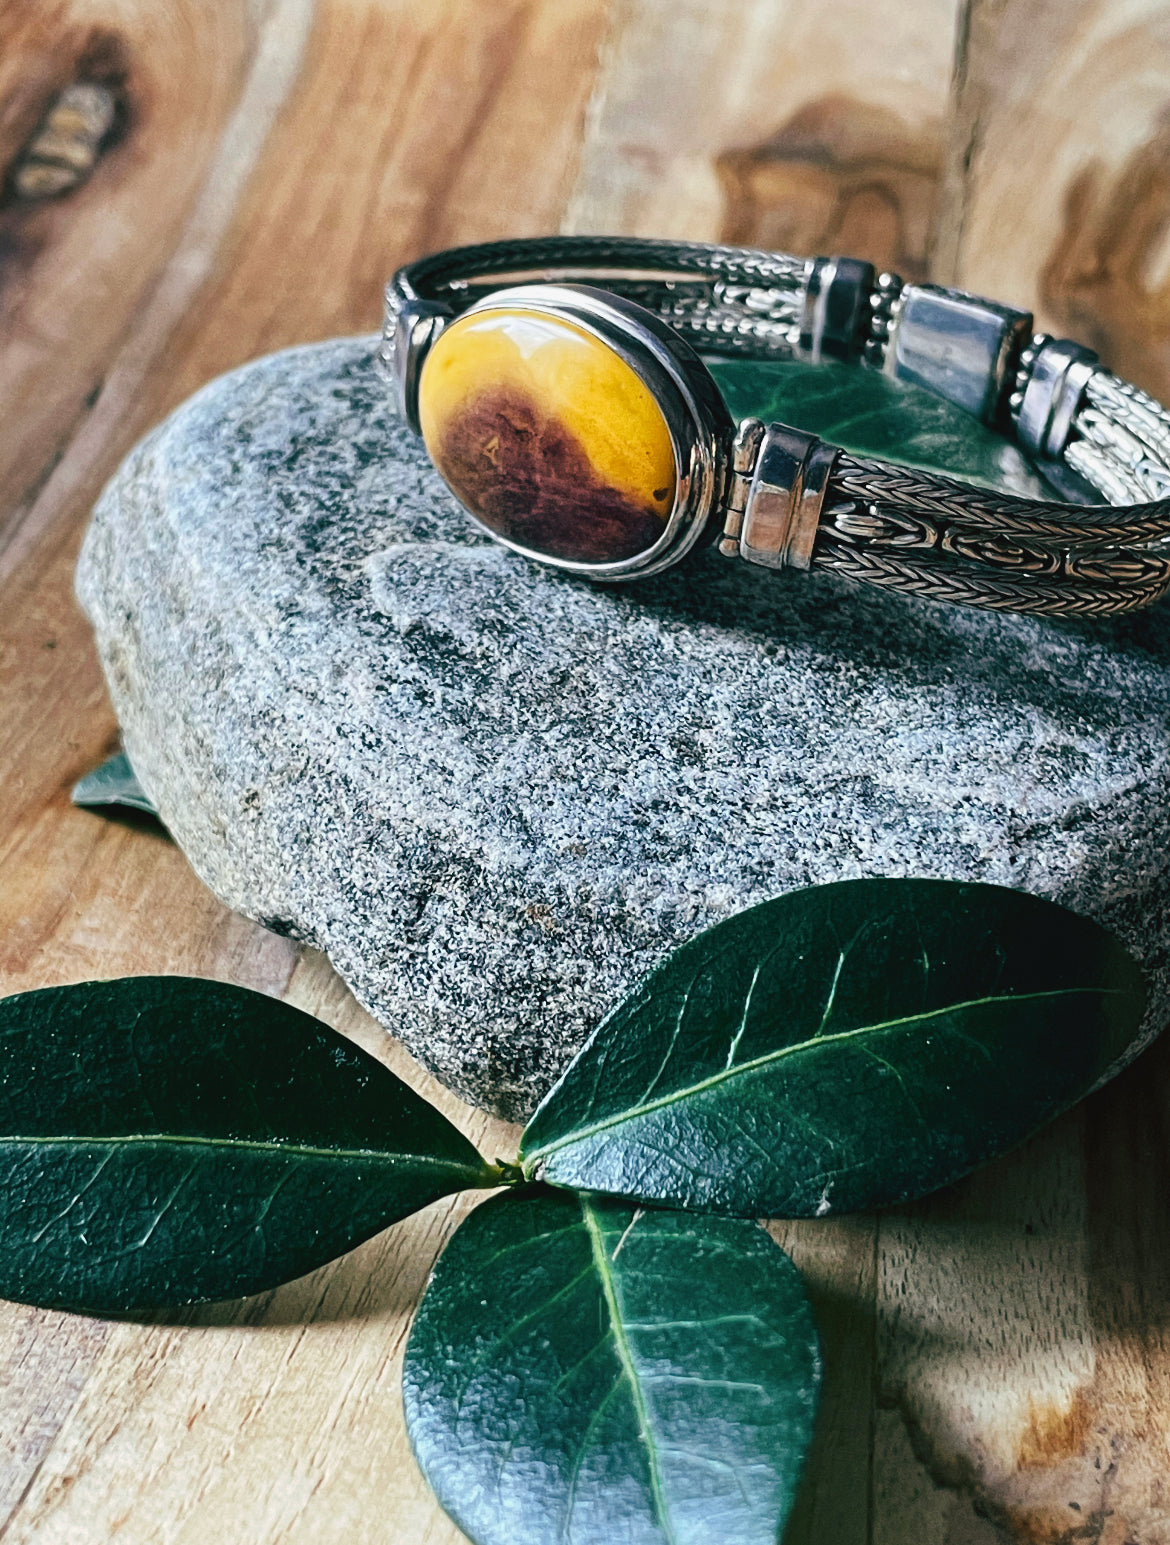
(871, 415)
(113, 783)
(840, 1048)
(165, 1140)
(586, 1373)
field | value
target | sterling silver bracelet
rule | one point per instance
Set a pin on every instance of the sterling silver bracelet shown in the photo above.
(559, 387)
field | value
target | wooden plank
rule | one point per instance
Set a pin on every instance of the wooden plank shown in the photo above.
(1057, 187)
(1126, 1445)
(772, 123)
(983, 1378)
(461, 124)
(77, 270)
(1023, 1352)
(83, 898)
(288, 1424)
(986, 1346)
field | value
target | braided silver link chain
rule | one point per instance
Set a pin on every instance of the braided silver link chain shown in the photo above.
(722, 299)
(888, 525)
(935, 536)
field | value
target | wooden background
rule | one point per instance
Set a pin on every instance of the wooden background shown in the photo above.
(999, 1358)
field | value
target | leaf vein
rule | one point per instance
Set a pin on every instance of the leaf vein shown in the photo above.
(628, 1368)
(814, 1042)
(236, 1145)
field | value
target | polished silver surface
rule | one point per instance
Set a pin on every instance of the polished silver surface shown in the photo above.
(745, 450)
(956, 345)
(1059, 372)
(835, 315)
(919, 532)
(782, 510)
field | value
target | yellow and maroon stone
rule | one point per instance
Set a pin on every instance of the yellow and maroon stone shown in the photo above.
(548, 436)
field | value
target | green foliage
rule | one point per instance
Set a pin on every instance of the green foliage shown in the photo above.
(839, 1048)
(583, 1372)
(165, 1140)
(871, 415)
(114, 783)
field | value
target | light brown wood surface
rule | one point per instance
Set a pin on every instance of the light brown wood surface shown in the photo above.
(1057, 190)
(998, 1358)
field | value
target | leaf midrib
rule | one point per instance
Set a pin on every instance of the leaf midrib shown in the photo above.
(631, 1112)
(248, 1145)
(625, 1356)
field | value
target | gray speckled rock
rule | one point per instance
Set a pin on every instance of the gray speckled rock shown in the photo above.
(496, 797)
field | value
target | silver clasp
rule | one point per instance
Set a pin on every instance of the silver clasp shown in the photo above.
(956, 345)
(1059, 373)
(781, 475)
(835, 311)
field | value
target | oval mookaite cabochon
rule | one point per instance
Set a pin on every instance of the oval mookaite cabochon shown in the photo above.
(548, 436)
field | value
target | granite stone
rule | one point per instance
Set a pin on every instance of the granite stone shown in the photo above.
(497, 797)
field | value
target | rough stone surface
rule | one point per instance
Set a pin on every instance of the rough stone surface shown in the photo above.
(497, 797)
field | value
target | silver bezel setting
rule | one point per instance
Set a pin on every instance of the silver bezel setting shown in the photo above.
(697, 419)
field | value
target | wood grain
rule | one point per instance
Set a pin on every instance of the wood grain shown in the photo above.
(771, 123)
(997, 1357)
(1058, 183)
(77, 270)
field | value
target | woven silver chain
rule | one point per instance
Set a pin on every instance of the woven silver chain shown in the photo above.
(721, 299)
(888, 525)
